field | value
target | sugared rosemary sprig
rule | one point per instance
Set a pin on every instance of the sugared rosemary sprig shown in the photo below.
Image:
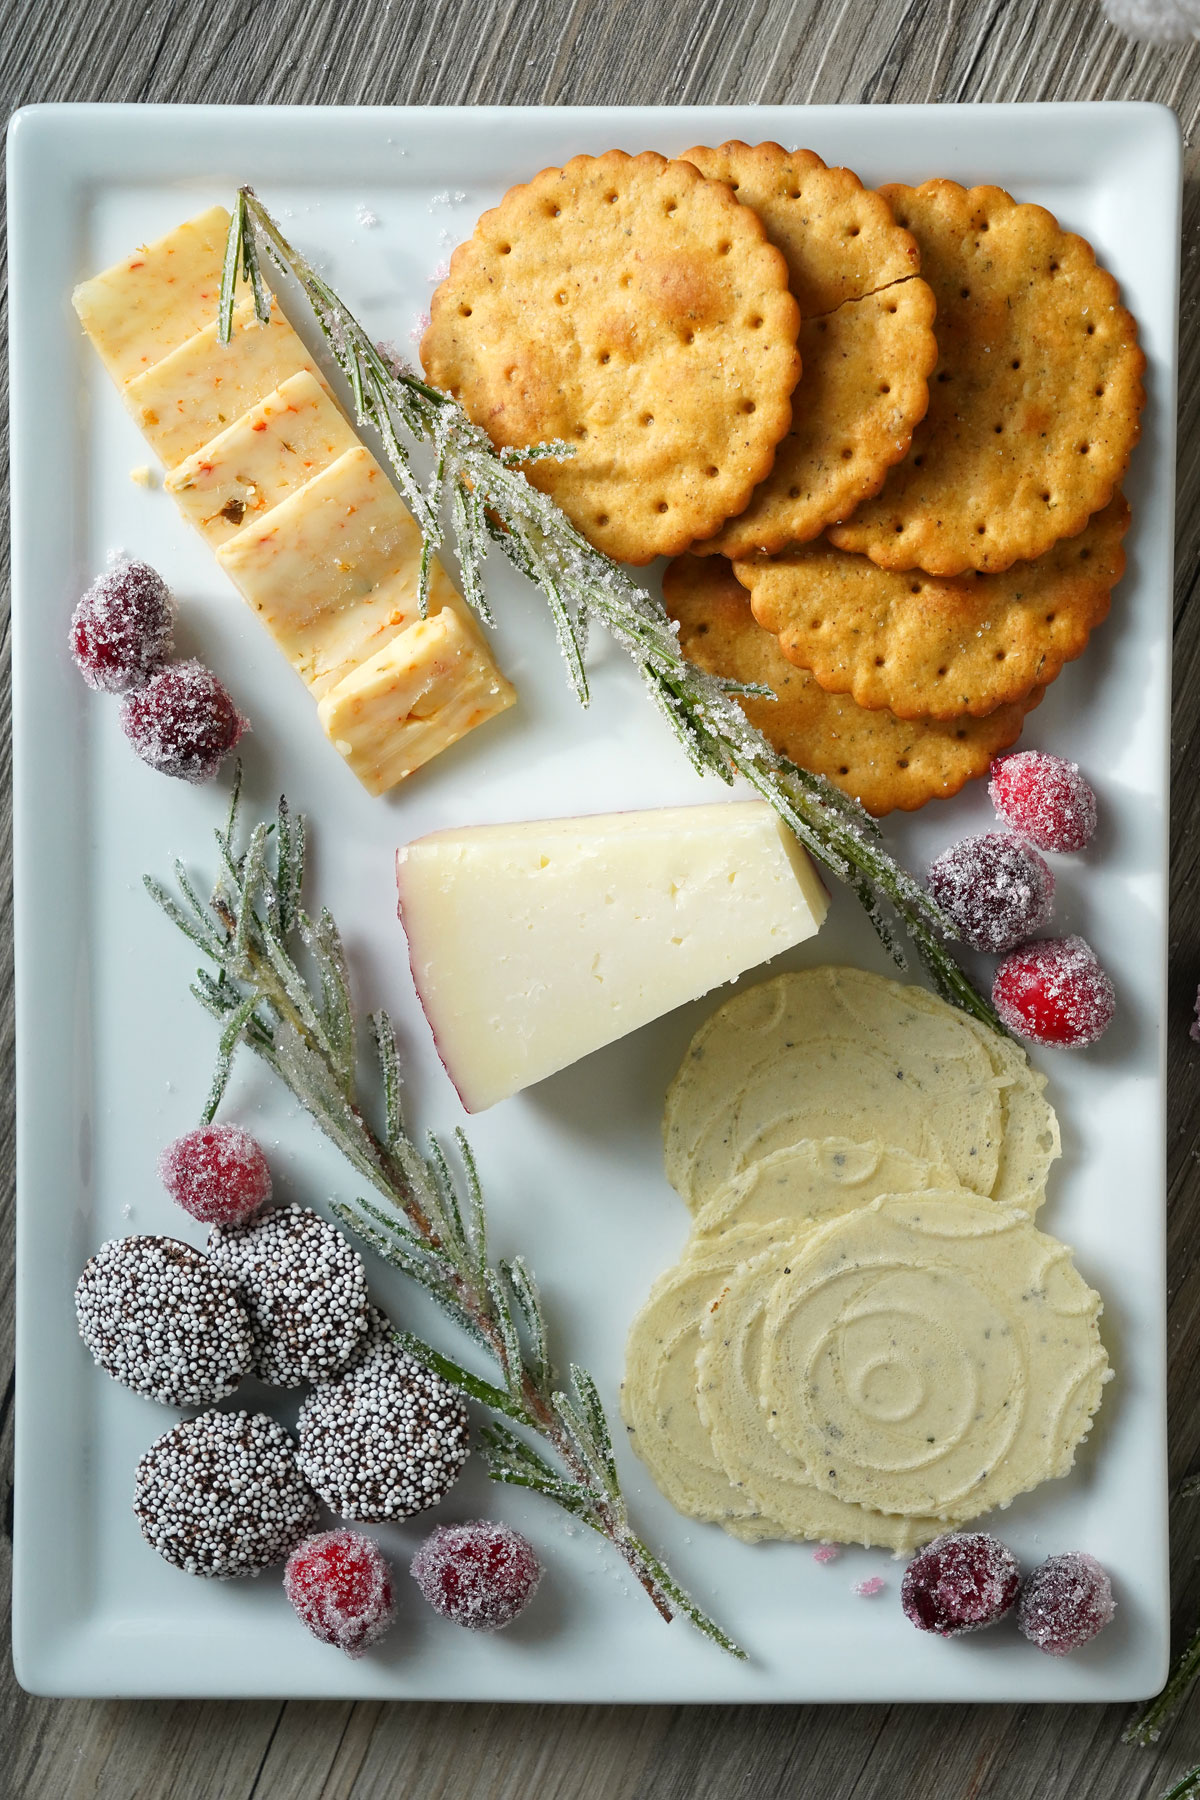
(491, 503)
(282, 987)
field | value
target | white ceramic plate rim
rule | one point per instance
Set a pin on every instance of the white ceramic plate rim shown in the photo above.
(60, 159)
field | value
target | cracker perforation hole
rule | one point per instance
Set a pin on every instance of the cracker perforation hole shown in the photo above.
(605, 356)
(662, 507)
(847, 454)
(712, 470)
(724, 247)
(1091, 331)
(816, 624)
(793, 493)
(554, 212)
(980, 530)
(506, 249)
(1084, 555)
(1084, 449)
(602, 518)
(611, 198)
(1000, 655)
(964, 293)
(997, 429)
(918, 461)
(464, 312)
(961, 732)
(748, 406)
(646, 419)
(1016, 363)
(941, 671)
(1050, 618)
(880, 661)
(902, 762)
(943, 375)
(853, 231)
(755, 322)
(843, 769)
(885, 387)
(561, 297)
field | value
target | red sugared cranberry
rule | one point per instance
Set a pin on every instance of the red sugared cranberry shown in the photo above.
(1054, 992)
(994, 888)
(1044, 798)
(480, 1575)
(217, 1173)
(182, 722)
(961, 1582)
(340, 1586)
(122, 629)
(1065, 1603)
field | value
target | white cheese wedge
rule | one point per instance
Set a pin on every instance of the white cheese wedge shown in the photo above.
(423, 691)
(154, 300)
(269, 452)
(194, 392)
(533, 944)
(332, 570)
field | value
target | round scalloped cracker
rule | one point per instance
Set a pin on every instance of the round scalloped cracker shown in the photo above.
(814, 1053)
(938, 647)
(884, 762)
(757, 1465)
(867, 343)
(658, 1392)
(1034, 407)
(635, 310)
(932, 1354)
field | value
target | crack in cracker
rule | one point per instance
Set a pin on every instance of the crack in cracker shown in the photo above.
(870, 294)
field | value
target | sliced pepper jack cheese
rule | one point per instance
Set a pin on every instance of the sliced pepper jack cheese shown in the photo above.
(196, 391)
(423, 691)
(269, 452)
(151, 302)
(332, 570)
(302, 517)
(534, 944)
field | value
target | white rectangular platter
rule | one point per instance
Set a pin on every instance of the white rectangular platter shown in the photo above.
(114, 1056)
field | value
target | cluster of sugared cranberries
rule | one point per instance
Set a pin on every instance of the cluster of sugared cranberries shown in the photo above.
(996, 889)
(177, 716)
(217, 1173)
(163, 1320)
(482, 1575)
(966, 1580)
(123, 630)
(1044, 799)
(340, 1586)
(222, 1495)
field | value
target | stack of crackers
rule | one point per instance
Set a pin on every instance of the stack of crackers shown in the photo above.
(882, 434)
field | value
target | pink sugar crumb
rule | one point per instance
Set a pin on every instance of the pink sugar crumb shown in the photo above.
(826, 1553)
(420, 327)
(867, 1590)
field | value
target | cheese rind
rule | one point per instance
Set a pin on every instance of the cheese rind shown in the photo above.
(272, 450)
(145, 306)
(196, 391)
(424, 690)
(534, 944)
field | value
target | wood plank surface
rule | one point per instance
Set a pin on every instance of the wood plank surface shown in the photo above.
(564, 51)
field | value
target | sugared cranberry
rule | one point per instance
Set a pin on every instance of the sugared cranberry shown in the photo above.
(182, 722)
(1065, 1603)
(217, 1173)
(340, 1586)
(1044, 798)
(122, 629)
(961, 1582)
(1054, 992)
(994, 888)
(480, 1575)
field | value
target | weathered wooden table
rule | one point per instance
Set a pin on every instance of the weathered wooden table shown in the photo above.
(398, 52)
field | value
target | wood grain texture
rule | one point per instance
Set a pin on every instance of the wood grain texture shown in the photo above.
(580, 51)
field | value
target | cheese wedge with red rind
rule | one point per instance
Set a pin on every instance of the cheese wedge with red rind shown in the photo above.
(534, 944)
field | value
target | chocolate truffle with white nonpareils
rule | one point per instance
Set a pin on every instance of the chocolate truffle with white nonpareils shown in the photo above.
(304, 1287)
(222, 1495)
(386, 1440)
(163, 1320)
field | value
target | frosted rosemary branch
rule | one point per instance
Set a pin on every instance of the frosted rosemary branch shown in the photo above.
(491, 504)
(1147, 1727)
(282, 987)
